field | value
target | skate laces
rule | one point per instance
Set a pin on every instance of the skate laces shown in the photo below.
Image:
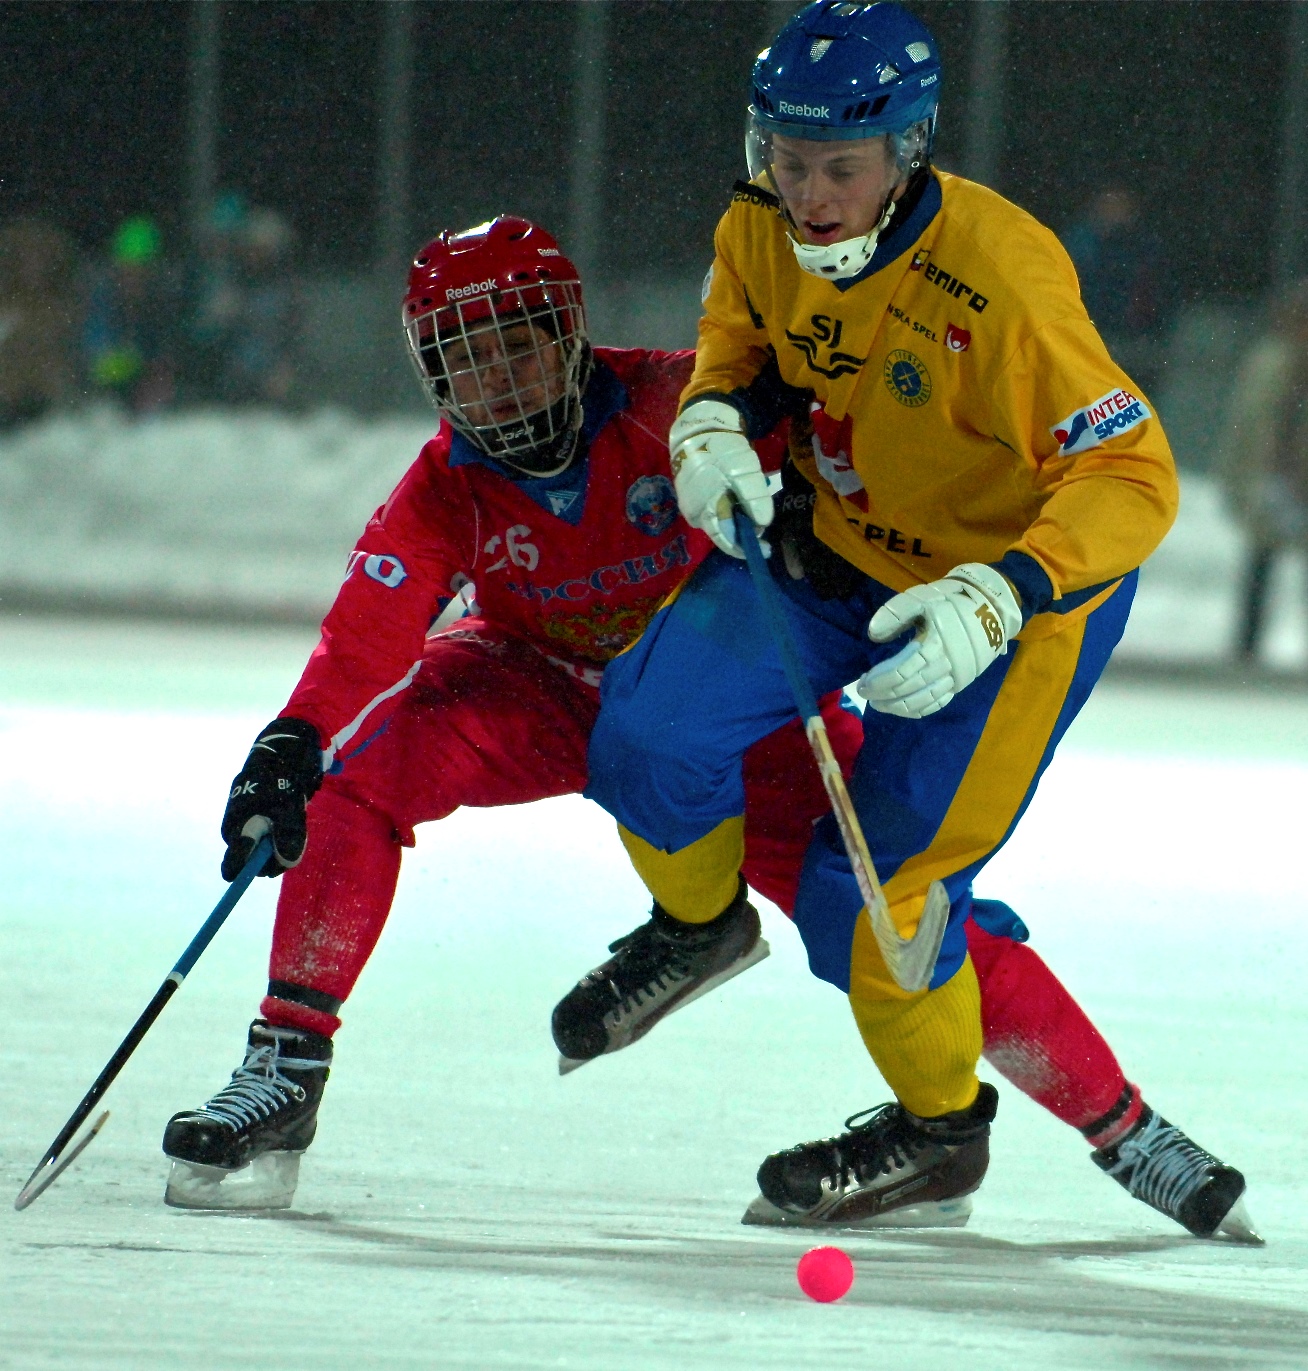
(258, 1088)
(1160, 1165)
(870, 1148)
(645, 965)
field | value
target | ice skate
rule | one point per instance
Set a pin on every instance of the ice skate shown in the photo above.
(658, 968)
(890, 1170)
(242, 1149)
(1157, 1163)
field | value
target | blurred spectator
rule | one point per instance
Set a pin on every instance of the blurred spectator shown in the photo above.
(260, 365)
(245, 310)
(1264, 458)
(131, 321)
(37, 327)
(214, 300)
(1122, 271)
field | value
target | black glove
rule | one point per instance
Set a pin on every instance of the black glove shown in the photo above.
(269, 795)
(806, 556)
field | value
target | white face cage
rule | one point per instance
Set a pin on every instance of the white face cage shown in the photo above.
(508, 369)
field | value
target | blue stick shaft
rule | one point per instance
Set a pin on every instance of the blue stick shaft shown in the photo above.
(770, 598)
(254, 865)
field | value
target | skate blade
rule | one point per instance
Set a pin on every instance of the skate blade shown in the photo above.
(757, 953)
(268, 1182)
(1237, 1226)
(938, 1214)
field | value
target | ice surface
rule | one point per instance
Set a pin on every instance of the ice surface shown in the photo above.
(464, 1207)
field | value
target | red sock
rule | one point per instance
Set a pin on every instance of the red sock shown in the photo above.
(1038, 1037)
(330, 913)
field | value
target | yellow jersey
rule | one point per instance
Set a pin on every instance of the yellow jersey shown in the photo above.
(964, 409)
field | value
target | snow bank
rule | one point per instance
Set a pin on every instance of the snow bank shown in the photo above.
(252, 514)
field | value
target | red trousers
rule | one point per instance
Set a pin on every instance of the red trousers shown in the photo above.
(489, 721)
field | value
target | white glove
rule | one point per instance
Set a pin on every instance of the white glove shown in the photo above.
(965, 621)
(712, 460)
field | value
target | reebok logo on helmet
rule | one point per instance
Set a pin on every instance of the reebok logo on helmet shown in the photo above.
(805, 111)
(477, 288)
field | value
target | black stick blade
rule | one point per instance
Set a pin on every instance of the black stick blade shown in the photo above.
(52, 1168)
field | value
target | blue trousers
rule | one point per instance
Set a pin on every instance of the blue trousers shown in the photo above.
(937, 797)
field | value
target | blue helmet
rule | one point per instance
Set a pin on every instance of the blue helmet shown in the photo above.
(841, 70)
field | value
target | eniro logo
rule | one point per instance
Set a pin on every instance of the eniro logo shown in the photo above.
(477, 288)
(806, 111)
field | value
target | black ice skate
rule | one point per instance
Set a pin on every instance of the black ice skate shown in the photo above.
(242, 1149)
(891, 1170)
(658, 968)
(1158, 1164)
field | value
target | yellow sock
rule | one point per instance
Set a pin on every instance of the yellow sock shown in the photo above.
(698, 882)
(926, 1045)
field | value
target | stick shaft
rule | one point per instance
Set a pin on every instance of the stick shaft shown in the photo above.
(194, 949)
(910, 961)
(851, 831)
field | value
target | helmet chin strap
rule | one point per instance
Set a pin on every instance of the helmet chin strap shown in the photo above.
(566, 455)
(552, 458)
(840, 261)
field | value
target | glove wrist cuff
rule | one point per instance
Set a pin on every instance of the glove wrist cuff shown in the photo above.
(997, 590)
(703, 417)
(291, 743)
(301, 728)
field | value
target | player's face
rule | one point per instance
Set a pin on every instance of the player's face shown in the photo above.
(834, 191)
(501, 374)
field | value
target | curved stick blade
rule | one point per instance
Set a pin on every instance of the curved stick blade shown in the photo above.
(911, 961)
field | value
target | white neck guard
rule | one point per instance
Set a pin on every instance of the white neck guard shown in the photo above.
(840, 261)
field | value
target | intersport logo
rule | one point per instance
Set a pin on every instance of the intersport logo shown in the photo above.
(1105, 418)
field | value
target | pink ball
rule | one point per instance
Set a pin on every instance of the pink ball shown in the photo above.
(825, 1274)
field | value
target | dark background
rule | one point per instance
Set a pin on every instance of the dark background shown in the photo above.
(1183, 101)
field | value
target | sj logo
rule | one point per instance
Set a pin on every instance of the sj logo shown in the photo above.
(825, 338)
(991, 626)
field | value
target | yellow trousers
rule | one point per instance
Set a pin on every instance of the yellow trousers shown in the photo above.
(925, 1044)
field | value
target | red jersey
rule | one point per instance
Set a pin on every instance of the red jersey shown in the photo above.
(575, 564)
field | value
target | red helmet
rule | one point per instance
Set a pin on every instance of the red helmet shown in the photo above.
(497, 331)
